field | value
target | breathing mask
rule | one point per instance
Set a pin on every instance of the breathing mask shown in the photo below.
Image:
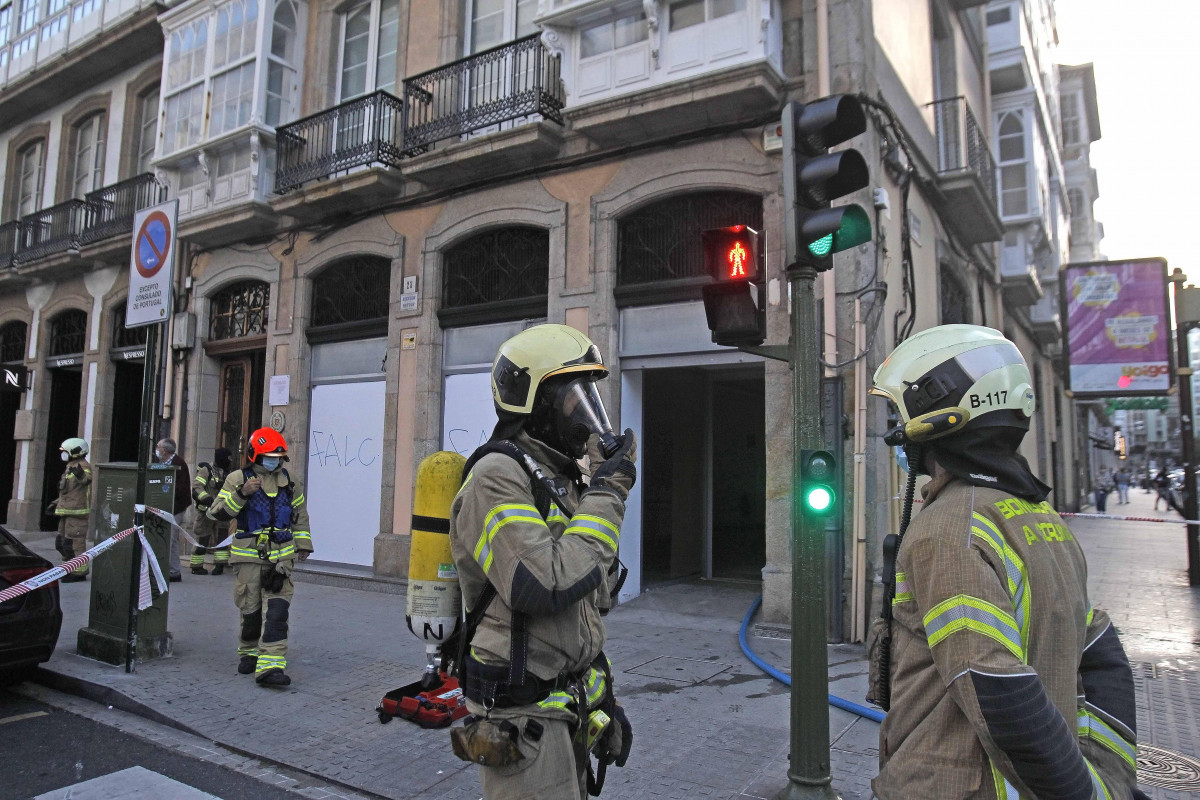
(65, 457)
(579, 415)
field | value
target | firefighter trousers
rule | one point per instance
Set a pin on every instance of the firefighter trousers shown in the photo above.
(550, 769)
(264, 624)
(208, 534)
(73, 531)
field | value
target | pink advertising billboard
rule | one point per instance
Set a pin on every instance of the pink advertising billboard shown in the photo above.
(1118, 338)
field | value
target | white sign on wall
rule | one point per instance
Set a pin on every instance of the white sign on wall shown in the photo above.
(469, 414)
(345, 470)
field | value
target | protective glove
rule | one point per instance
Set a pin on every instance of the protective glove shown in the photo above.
(50, 508)
(618, 474)
(273, 581)
(77, 471)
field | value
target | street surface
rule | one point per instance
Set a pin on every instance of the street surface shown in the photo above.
(707, 723)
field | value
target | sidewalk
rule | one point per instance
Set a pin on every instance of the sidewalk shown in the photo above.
(707, 723)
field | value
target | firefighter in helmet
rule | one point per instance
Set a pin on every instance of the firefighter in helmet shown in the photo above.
(74, 505)
(205, 488)
(272, 531)
(536, 547)
(1005, 681)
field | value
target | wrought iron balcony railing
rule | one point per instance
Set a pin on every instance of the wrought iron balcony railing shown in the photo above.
(9, 233)
(52, 230)
(505, 83)
(111, 209)
(359, 132)
(961, 143)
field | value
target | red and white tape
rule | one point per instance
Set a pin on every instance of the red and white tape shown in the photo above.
(54, 573)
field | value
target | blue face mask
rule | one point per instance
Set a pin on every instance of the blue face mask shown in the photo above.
(271, 463)
(901, 457)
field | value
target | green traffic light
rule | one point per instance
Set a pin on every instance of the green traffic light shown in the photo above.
(854, 228)
(819, 499)
(821, 247)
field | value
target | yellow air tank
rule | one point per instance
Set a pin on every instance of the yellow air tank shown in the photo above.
(434, 601)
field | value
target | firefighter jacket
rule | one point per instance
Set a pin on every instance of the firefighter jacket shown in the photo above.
(553, 570)
(207, 484)
(272, 523)
(75, 489)
(1006, 683)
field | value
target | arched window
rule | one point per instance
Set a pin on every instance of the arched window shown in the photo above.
(68, 333)
(123, 337)
(12, 342)
(239, 310)
(351, 297)
(367, 57)
(1013, 165)
(496, 275)
(660, 243)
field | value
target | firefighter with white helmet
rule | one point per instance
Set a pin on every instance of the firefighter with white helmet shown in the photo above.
(536, 548)
(272, 531)
(73, 505)
(1001, 679)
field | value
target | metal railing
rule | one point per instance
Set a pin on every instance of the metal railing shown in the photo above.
(366, 130)
(9, 233)
(961, 143)
(505, 83)
(52, 230)
(111, 209)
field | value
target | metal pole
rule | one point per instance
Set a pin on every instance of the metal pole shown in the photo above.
(146, 442)
(808, 774)
(1188, 445)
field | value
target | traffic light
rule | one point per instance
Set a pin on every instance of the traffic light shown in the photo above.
(735, 301)
(818, 482)
(813, 177)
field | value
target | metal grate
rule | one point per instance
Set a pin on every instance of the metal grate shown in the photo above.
(497, 265)
(514, 80)
(240, 310)
(51, 230)
(10, 232)
(12, 342)
(661, 242)
(68, 332)
(111, 209)
(353, 290)
(955, 299)
(126, 337)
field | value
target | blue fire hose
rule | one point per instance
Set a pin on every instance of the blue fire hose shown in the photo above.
(873, 714)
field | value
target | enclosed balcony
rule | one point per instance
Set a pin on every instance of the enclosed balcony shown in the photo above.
(1018, 272)
(966, 172)
(1044, 320)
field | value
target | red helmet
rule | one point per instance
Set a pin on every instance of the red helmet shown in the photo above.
(266, 441)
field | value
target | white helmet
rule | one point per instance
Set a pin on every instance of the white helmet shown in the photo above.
(74, 447)
(945, 378)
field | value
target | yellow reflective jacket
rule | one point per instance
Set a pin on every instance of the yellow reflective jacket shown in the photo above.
(256, 546)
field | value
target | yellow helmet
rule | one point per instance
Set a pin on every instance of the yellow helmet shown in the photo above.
(535, 354)
(945, 378)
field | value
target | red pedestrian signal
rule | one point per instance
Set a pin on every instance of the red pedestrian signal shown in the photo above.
(735, 302)
(731, 254)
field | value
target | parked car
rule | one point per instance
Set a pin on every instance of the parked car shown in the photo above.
(29, 624)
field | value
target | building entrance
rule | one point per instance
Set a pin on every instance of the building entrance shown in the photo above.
(66, 384)
(126, 432)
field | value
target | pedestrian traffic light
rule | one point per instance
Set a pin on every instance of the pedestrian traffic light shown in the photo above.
(818, 477)
(812, 177)
(735, 300)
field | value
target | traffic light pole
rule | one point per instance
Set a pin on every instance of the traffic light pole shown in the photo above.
(1191, 508)
(808, 774)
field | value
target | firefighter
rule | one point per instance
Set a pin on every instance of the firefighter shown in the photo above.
(542, 544)
(209, 480)
(272, 531)
(1005, 681)
(74, 505)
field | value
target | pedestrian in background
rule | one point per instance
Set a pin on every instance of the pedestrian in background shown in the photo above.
(1162, 488)
(1122, 487)
(1100, 491)
(73, 505)
(1005, 681)
(208, 532)
(167, 453)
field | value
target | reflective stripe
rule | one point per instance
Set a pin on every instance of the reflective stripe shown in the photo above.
(265, 663)
(965, 612)
(1018, 586)
(1091, 612)
(1092, 727)
(556, 516)
(596, 527)
(71, 512)
(305, 535)
(558, 700)
(1004, 789)
(497, 519)
(247, 651)
(297, 501)
(595, 687)
(231, 500)
(903, 590)
(1097, 784)
(242, 551)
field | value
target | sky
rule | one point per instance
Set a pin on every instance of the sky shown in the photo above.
(1147, 160)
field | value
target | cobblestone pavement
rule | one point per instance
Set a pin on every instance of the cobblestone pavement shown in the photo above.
(707, 722)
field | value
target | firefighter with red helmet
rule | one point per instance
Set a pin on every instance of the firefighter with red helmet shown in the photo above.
(272, 531)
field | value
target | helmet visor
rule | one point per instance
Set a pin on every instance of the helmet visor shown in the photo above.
(581, 414)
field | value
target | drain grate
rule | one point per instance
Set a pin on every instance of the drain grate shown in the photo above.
(1167, 769)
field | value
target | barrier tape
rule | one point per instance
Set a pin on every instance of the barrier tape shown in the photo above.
(148, 564)
(54, 573)
(170, 519)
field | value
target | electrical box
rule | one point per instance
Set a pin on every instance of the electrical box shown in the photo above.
(183, 331)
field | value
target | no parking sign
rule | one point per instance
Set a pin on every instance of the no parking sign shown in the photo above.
(152, 265)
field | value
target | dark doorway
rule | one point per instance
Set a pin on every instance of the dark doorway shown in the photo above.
(704, 463)
(9, 403)
(240, 412)
(65, 387)
(126, 411)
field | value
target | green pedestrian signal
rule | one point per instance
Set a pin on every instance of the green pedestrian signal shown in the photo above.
(818, 476)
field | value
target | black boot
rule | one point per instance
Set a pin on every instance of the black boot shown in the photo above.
(200, 570)
(273, 677)
(218, 568)
(246, 664)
